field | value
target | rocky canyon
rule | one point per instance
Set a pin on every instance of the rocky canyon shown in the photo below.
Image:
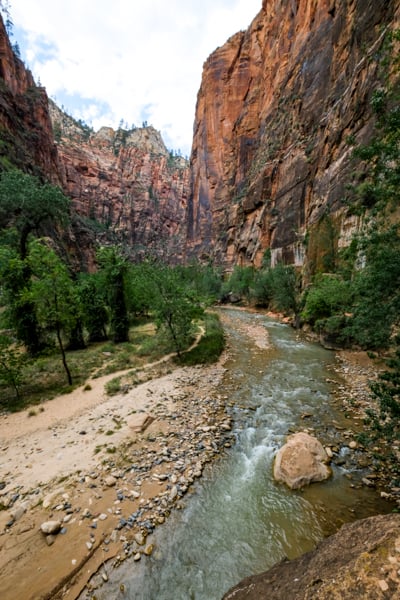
(271, 159)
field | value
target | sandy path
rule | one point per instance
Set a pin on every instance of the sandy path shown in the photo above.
(58, 463)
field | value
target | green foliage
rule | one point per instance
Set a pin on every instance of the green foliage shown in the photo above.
(94, 311)
(26, 207)
(12, 361)
(53, 295)
(211, 345)
(285, 289)
(328, 296)
(377, 290)
(386, 422)
(240, 282)
(29, 206)
(113, 387)
(263, 287)
(19, 311)
(113, 271)
(175, 305)
(381, 180)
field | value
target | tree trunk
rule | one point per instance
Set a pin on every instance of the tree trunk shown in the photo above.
(64, 360)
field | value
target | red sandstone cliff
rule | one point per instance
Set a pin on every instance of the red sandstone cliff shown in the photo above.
(276, 105)
(26, 136)
(124, 185)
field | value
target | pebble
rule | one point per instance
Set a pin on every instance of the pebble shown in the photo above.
(50, 527)
(110, 480)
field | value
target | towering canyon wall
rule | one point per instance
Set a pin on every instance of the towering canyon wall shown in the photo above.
(270, 161)
(125, 186)
(276, 107)
(26, 136)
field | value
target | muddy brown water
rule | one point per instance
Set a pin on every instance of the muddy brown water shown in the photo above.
(239, 521)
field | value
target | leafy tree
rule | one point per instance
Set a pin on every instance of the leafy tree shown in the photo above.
(377, 290)
(12, 360)
(113, 270)
(329, 295)
(19, 312)
(29, 206)
(263, 287)
(386, 390)
(26, 207)
(53, 295)
(94, 311)
(240, 282)
(175, 304)
(285, 289)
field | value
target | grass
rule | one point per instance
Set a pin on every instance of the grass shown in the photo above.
(44, 377)
(211, 345)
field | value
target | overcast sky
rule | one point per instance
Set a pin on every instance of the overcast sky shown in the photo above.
(135, 60)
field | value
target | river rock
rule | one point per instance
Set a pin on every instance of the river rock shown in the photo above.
(50, 527)
(301, 461)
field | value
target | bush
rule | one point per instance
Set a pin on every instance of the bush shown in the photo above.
(211, 345)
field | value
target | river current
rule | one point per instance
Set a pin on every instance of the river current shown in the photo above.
(239, 521)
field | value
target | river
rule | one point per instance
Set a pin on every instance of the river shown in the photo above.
(239, 521)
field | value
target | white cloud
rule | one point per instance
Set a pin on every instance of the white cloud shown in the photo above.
(129, 59)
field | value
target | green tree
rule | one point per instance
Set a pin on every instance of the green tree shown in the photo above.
(328, 295)
(94, 311)
(377, 290)
(240, 282)
(113, 271)
(285, 290)
(386, 390)
(12, 360)
(30, 207)
(53, 295)
(27, 207)
(263, 287)
(175, 304)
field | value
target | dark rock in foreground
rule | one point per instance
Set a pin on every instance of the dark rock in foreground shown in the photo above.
(361, 561)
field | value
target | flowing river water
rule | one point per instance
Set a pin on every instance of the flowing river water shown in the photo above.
(239, 521)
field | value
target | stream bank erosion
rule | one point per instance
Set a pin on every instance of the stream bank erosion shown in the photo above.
(106, 474)
(121, 465)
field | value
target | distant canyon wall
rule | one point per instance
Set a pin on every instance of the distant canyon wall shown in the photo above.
(270, 161)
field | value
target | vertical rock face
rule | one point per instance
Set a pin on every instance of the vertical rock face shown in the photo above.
(276, 107)
(26, 137)
(125, 185)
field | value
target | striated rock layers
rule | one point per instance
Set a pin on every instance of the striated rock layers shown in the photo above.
(26, 135)
(125, 185)
(361, 561)
(277, 104)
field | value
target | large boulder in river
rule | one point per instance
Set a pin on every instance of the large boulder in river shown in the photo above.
(361, 561)
(301, 461)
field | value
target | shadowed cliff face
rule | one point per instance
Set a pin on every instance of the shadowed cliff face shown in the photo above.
(26, 138)
(270, 160)
(276, 106)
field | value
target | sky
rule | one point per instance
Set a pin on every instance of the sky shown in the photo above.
(129, 61)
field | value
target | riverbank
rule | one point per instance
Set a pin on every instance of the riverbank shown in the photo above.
(106, 471)
(101, 473)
